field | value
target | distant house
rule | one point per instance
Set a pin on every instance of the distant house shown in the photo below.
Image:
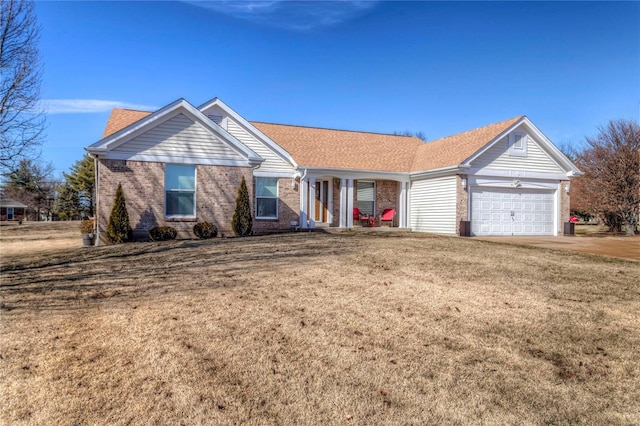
(182, 164)
(11, 209)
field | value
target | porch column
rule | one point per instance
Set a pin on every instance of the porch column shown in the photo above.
(349, 203)
(402, 206)
(312, 202)
(343, 203)
(304, 198)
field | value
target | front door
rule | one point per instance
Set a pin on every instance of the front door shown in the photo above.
(322, 201)
(318, 212)
(9, 213)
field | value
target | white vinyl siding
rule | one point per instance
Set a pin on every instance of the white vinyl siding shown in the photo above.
(272, 161)
(433, 205)
(533, 158)
(505, 211)
(180, 136)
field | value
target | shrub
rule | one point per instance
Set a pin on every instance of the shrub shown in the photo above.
(87, 226)
(119, 229)
(162, 233)
(205, 230)
(242, 222)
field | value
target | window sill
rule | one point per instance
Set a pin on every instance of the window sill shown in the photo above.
(273, 219)
(180, 219)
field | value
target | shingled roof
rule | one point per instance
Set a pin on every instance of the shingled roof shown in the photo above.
(121, 118)
(344, 149)
(454, 150)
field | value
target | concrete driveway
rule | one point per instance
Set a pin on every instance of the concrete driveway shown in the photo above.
(618, 246)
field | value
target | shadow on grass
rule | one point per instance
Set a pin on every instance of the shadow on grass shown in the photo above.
(75, 279)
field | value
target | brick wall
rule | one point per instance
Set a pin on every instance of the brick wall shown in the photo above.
(387, 196)
(336, 203)
(288, 209)
(462, 202)
(216, 191)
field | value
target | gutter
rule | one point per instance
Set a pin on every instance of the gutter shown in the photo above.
(460, 168)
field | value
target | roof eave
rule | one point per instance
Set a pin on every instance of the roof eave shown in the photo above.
(447, 170)
(266, 139)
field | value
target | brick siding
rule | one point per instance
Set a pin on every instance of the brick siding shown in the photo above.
(216, 191)
(462, 202)
(288, 209)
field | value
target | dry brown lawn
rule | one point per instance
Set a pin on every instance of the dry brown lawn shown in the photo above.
(38, 237)
(349, 328)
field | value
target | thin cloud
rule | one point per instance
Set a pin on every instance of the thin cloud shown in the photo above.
(291, 15)
(88, 106)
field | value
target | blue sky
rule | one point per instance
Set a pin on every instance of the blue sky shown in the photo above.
(436, 67)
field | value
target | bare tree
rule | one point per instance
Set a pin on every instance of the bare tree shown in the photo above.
(419, 134)
(610, 187)
(21, 116)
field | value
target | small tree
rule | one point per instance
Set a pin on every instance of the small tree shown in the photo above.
(610, 187)
(67, 203)
(242, 221)
(81, 180)
(119, 229)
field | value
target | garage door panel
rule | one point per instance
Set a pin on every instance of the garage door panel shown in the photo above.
(502, 211)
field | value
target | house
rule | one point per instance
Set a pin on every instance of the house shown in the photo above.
(11, 209)
(182, 164)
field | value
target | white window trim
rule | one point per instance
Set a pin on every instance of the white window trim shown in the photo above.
(277, 197)
(195, 191)
(374, 192)
(513, 150)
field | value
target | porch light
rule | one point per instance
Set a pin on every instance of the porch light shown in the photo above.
(464, 183)
(567, 188)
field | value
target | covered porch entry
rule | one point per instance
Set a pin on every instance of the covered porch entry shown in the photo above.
(329, 198)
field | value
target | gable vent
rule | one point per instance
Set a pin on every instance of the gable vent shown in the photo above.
(216, 119)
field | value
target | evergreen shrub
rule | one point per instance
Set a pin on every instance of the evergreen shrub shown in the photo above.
(205, 230)
(242, 221)
(119, 229)
(162, 233)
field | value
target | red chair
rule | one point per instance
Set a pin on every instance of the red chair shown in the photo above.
(387, 216)
(356, 214)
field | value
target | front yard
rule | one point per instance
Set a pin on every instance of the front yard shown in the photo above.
(351, 328)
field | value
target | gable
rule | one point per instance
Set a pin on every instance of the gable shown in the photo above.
(531, 157)
(176, 133)
(274, 161)
(454, 150)
(179, 136)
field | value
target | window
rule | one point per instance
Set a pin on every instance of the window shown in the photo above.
(518, 144)
(180, 190)
(366, 197)
(266, 198)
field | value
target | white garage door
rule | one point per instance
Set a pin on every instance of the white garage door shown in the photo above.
(511, 212)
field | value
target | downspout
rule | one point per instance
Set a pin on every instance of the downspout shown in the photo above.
(96, 212)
